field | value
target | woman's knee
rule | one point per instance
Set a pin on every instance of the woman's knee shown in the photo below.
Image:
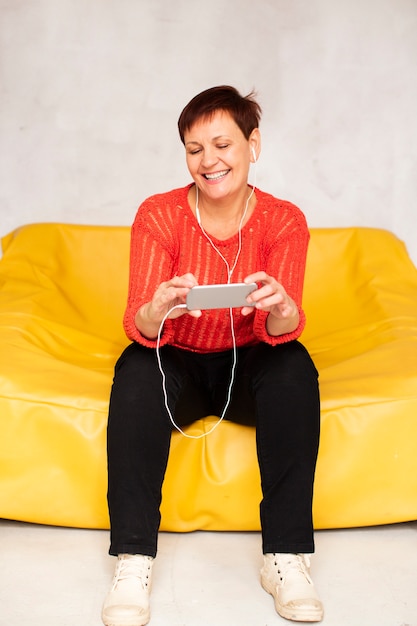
(282, 362)
(135, 357)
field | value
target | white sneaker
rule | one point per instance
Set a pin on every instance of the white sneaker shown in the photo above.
(287, 578)
(127, 603)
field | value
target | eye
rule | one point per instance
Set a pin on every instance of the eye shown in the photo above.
(223, 146)
(195, 151)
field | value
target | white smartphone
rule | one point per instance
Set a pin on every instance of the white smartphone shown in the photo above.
(222, 296)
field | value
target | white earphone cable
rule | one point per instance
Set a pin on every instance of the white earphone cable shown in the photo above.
(197, 210)
(230, 271)
(229, 395)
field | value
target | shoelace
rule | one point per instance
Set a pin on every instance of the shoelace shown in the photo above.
(292, 564)
(132, 566)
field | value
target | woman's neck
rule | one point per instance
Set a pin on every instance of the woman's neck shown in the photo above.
(223, 218)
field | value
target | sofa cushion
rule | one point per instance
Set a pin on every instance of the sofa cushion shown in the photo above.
(62, 295)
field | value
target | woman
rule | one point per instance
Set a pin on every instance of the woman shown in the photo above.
(215, 230)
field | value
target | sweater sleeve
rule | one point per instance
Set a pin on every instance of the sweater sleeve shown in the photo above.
(151, 262)
(285, 259)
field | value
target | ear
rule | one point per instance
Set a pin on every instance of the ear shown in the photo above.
(255, 145)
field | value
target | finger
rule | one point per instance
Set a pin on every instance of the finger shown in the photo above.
(180, 281)
(191, 278)
(186, 280)
(247, 310)
(272, 300)
(265, 292)
(256, 277)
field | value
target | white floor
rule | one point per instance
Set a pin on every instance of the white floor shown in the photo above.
(58, 577)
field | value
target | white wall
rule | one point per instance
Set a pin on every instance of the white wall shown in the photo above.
(90, 93)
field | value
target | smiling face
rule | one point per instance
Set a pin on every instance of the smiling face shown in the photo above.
(218, 156)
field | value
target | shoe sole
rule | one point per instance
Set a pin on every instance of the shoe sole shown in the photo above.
(302, 615)
(108, 623)
(144, 619)
(130, 623)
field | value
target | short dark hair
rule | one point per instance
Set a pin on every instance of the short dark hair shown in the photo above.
(245, 111)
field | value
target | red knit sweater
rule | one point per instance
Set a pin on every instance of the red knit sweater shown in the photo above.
(166, 240)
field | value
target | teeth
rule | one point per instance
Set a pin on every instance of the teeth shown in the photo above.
(216, 175)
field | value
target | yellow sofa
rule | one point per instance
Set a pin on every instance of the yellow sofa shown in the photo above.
(62, 296)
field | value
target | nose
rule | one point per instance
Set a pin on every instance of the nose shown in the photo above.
(209, 157)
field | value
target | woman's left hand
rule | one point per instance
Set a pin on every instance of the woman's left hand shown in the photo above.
(271, 297)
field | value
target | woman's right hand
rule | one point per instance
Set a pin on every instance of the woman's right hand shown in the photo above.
(168, 295)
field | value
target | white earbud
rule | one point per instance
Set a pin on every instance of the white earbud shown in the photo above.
(254, 154)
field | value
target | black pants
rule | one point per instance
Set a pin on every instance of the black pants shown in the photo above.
(276, 389)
